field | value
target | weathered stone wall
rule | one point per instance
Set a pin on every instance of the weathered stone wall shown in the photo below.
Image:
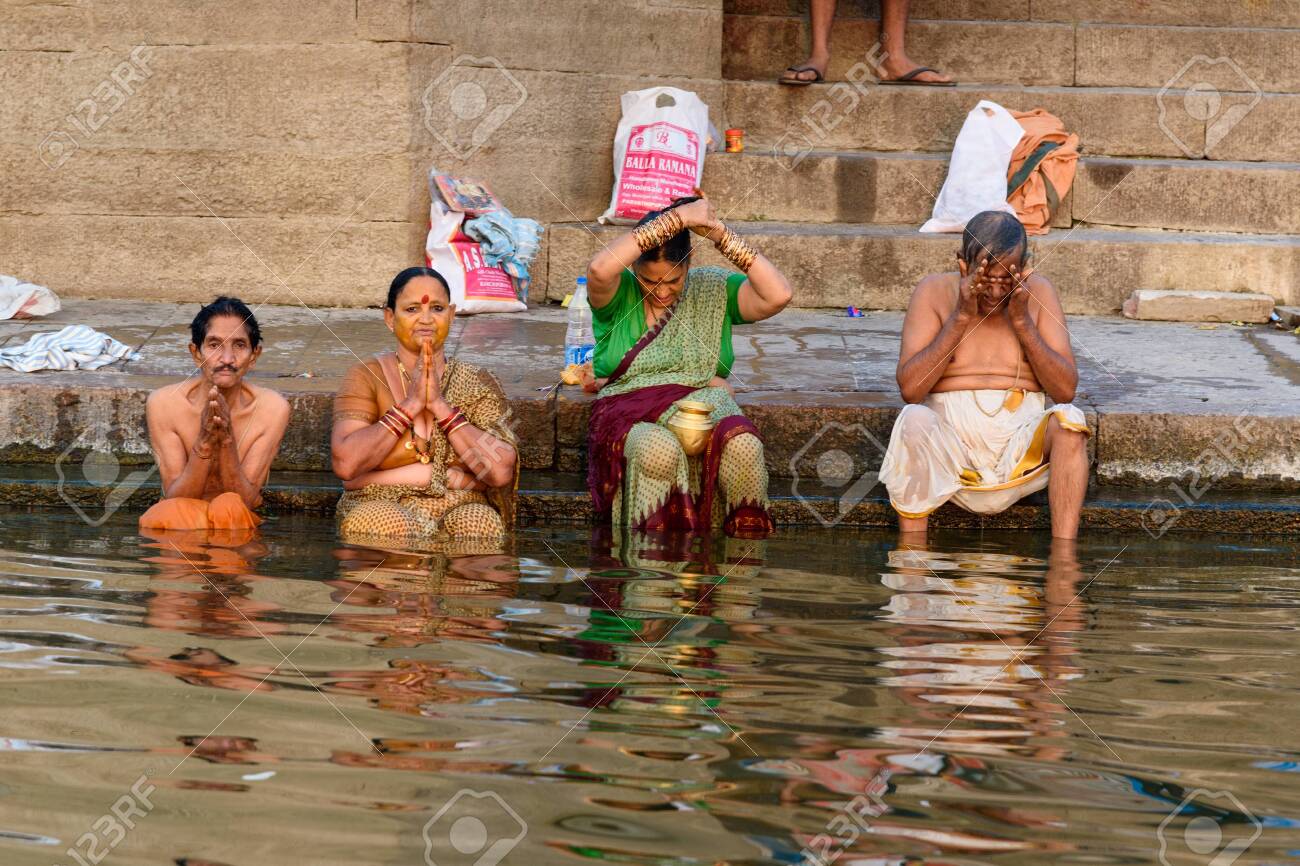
(174, 149)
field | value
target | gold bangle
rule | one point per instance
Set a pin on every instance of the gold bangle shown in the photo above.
(402, 414)
(734, 248)
(464, 423)
(658, 231)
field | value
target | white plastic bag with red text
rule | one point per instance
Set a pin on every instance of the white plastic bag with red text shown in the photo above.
(475, 287)
(658, 151)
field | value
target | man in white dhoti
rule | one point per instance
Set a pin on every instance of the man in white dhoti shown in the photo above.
(983, 349)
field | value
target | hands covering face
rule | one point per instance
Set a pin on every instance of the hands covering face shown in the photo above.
(990, 285)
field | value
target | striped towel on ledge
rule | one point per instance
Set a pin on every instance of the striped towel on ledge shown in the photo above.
(76, 347)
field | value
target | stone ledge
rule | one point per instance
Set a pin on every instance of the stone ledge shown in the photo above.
(1218, 404)
(554, 498)
(875, 266)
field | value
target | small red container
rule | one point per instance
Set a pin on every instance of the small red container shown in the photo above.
(735, 140)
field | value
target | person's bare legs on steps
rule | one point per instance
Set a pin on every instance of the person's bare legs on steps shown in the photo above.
(893, 39)
(893, 35)
(821, 13)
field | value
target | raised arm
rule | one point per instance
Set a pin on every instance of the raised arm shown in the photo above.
(357, 445)
(184, 471)
(1046, 341)
(248, 476)
(766, 292)
(930, 337)
(606, 269)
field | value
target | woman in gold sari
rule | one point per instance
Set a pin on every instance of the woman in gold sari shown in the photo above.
(663, 334)
(420, 440)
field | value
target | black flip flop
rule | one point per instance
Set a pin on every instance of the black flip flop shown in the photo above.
(909, 80)
(802, 82)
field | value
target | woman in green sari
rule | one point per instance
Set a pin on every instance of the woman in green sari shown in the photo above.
(663, 334)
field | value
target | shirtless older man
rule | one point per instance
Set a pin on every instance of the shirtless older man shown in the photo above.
(981, 351)
(214, 434)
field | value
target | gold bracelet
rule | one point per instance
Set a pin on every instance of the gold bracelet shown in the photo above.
(463, 423)
(736, 250)
(658, 231)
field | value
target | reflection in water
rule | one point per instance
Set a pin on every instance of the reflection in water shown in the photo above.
(644, 699)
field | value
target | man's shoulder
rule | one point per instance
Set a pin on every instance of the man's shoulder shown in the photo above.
(1040, 286)
(166, 398)
(937, 288)
(268, 401)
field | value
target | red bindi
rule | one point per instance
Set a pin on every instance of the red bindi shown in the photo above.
(424, 299)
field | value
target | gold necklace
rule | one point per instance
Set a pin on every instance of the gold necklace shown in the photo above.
(1015, 395)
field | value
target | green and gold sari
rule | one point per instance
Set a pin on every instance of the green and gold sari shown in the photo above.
(638, 474)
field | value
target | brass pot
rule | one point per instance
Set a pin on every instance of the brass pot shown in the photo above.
(692, 425)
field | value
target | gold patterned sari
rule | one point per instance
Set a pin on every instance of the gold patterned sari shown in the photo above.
(433, 513)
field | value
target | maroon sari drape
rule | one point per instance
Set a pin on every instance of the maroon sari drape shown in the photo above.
(612, 418)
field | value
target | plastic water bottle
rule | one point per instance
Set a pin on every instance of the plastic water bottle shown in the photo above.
(579, 340)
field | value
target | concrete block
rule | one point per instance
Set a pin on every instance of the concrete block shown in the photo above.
(876, 267)
(1173, 306)
(1270, 130)
(1198, 453)
(242, 183)
(1194, 195)
(125, 23)
(1111, 121)
(221, 98)
(1192, 13)
(850, 186)
(760, 47)
(1257, 59)
(193, 259)
(832, 186)
(588, 36)
(385, 20)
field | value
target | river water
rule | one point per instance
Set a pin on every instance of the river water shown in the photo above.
(818, 697)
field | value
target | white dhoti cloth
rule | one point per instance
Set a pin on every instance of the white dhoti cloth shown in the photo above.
(968, 447)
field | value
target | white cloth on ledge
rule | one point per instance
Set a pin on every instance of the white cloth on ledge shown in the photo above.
(22, 300)
(76, 347)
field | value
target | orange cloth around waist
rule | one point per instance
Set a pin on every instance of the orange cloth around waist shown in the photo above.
(226, 511)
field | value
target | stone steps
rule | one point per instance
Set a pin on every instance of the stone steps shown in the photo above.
(1110, 121)
(1229, 13)
(875, 266)
(1062, 54)
(548, 498)
(900, 187)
